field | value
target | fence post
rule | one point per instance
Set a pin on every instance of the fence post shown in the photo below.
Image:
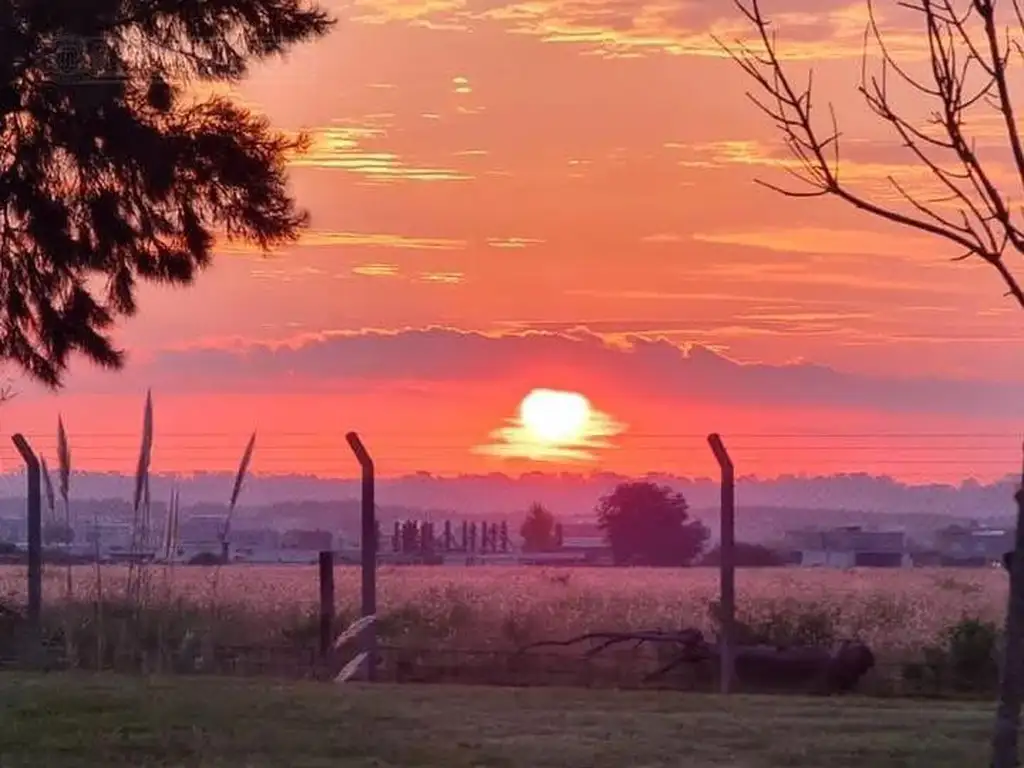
(326, 603)
(35, 530)
(727, 564)
(1011, 681)
(369, 552)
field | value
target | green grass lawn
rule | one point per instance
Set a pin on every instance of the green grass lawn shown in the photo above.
(61, 720)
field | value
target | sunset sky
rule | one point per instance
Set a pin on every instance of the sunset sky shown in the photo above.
(560, 194)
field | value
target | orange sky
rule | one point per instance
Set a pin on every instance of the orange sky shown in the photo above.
(559, 193)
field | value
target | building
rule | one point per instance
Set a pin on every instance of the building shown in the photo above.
(255, 538)
(849, 547)
(199, 535)
(972, 544)
(311, 541)
(254, 545)
(112, 539)
(575, 550)
(13, 530)
(201, 529)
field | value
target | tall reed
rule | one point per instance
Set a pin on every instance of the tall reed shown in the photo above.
(168, 547)
(141, 498)
(243, 468)
(236, 490)
(51, 502)
(51, 516)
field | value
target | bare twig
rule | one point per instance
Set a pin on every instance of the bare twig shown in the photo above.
(686, 637)
(968, 69)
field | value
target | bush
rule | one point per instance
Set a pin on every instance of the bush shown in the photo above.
(965, 661)
(747, 556)
(972, 647)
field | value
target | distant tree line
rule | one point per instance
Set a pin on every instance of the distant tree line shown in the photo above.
(645, 524)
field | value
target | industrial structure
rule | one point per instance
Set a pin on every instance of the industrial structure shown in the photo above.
(848, 547)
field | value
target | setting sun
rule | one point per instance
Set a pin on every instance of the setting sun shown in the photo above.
(556, 417)
(553, 425)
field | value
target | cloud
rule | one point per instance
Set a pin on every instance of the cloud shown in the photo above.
(809, 29)
(285, 274)
(442, 278)
(424, 13)
(376, 270)
(861, 242)
(326, 238)
(873, 168)
(379, 269)
(356, 149)
(643, 365)
(512, 242)
(860, 161)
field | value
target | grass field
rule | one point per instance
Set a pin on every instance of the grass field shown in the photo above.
(60, 721)
(895, 611)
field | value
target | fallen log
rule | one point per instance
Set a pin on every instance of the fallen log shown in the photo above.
(808, 669)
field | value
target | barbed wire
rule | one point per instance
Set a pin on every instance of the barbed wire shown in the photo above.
(436, 438)
(694, 435)
(908, 454)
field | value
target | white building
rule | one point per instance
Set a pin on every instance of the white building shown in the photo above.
(974, 543)
(849, 547)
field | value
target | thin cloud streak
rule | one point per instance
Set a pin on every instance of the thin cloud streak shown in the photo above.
(345, 149)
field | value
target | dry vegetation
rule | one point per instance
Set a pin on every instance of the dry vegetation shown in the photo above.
(896, 612)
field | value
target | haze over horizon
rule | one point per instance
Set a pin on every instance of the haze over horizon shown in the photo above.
(509, 197)
(569, 494)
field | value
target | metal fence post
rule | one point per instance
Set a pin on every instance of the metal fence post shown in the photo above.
(35, 530)
(727, 565)
(369, 552)
(326, 578)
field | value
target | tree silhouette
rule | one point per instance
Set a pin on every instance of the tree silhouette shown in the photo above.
(972, 47)
(110, 174)
(648, 524)
(539, 530)
(967, 81)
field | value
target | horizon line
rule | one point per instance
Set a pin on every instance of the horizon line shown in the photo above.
(592, 475)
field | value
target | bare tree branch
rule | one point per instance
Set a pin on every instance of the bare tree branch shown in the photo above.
(968, 70)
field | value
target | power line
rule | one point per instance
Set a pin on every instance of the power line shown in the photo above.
(970, 452)
(244, 434)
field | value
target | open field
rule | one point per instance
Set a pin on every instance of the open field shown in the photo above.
(62, 721)
(895, 611)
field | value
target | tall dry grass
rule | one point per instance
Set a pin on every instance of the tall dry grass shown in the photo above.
(896, 612)
(236, 490)
(123, 602)
(140, 506)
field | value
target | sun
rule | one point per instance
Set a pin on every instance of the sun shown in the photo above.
(554, 417)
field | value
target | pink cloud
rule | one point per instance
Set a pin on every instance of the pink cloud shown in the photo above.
(642, 366)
